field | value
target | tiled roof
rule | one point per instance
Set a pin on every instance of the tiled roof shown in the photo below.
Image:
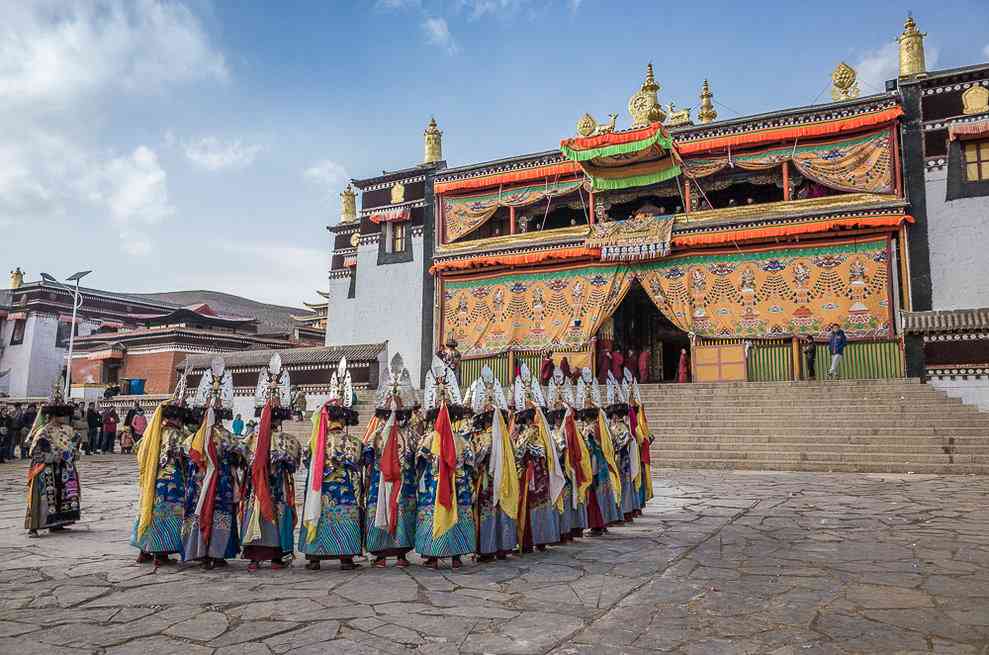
(291, 356)
(946, 320)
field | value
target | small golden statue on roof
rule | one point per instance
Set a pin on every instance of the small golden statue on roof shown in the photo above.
(677, 117)
(588, 126)
(644, 106)
(16, 278)
(843, 86)
(348, 205)
(706, 113)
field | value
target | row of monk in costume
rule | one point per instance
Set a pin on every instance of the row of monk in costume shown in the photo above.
(447, 476)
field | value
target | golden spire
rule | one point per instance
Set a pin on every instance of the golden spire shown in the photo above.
(706, 113)
(348, 205)
(16, 278)
(911, 49)
(434, 143)
(843, 86)
(644, 106)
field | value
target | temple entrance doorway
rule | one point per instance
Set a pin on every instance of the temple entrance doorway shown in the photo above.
(641, 333)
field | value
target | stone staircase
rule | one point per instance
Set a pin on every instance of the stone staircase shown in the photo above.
(885, 426)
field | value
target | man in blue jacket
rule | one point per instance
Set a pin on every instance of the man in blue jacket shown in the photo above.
(836, 344)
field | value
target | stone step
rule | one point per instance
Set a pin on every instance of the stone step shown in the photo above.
(727, 420)
(841, 458)
(829, 440)
(882, 412)
(775, 396)
(810, 431)
(684, 449)
(833, 467)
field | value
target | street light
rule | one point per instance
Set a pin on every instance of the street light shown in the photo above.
(76, 304)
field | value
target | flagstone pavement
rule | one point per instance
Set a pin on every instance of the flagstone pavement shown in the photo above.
(722, 562)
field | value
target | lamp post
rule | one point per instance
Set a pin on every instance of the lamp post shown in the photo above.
(76, 304)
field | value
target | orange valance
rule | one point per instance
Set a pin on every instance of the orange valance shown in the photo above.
(390, 216)
(813, 227)
(820, 128)
(515, 259)
(524, 175)
(611, 138)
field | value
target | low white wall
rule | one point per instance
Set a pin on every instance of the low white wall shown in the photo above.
(973, 389)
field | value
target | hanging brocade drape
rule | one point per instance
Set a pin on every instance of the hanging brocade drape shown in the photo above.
(857, 164)
(758, 293)
(558, 309)
(464, 214)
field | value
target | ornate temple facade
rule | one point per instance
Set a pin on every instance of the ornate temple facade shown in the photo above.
(380, 259)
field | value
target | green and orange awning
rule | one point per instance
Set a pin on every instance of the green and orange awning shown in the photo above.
(620, 160)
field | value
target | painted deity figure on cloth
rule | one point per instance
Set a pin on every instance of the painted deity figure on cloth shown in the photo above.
(445, 525)
(209, 527)
(268, 514)
(605, 488)
(162, 467)
(390, 469)
(542, 479)
(53, 489)
(331, 515)
(497, 482)
(573, 454)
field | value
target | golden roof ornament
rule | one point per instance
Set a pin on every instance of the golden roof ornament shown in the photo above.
(397, 193)
(16, 278)
(843, 86)
(588, 126)
(975, 100)
(433, 142)
(706, 113)
(644, 106)
(911, 49)
(677, 117)
(348, 205)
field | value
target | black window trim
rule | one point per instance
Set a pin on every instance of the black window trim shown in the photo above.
(958, 185)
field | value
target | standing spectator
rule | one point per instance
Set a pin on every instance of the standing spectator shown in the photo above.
(810, 352)
(451, 356)
(138, 424)
(604, 363)
(683, 370)
(836, 344)
(131, 413)
(27, 421)
(238, 425)
(617, 362)
(110, 420)
(6, 433)
(643, 365)
(632, 362)
(93, 424)
(546, 368)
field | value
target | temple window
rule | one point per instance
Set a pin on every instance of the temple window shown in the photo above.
(17, 334)
(62, 334)
(742, 188)
(977, 161)
(397, 241)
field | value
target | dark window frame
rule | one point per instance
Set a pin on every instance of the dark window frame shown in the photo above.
(15, 338)
(384, 242)
(958, 185)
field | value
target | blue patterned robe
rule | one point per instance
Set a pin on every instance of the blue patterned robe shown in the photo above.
(263, 539)
(460, 539)
(543, 525)
(604, 500)
(164, 535)
(338, 531)
(379, 541)
(496, 530)
(574, 515)
(623, 444)
(222, 542)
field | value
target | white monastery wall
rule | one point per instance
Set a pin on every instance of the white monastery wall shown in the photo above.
(958, 233)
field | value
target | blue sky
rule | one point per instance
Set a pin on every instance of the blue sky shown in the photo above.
(171, 144)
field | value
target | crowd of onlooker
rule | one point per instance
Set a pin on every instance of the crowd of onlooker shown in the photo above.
(96, 431)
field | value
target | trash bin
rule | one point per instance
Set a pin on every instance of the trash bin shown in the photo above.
(137, 387)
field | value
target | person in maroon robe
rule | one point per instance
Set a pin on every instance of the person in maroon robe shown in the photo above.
(617, 363)
(643, 366)
(683, 370)
(632, 361)
(604, 363)
(565, 369)
(546, 368)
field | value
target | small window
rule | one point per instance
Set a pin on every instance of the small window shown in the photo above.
(62, 336)
(977, 161)
(397, 237)
(17, 334)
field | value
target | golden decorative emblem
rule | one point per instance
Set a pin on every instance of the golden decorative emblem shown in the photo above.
(397, 193)
(843, 83)
(644, 106)
(355, 239)
(975, 100)
(586, 125)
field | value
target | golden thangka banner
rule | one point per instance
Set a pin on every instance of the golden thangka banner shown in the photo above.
(768, 292)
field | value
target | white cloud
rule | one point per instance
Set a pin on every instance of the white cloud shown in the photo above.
(327, 174)
(874, 67)
(292, 263)
(214, 155)
(438, 33)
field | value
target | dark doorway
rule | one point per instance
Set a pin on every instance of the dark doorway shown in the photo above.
(637, 326)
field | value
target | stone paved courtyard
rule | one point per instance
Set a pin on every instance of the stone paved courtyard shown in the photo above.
(722, 562)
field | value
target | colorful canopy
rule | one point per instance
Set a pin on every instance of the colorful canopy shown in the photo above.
(619, 160)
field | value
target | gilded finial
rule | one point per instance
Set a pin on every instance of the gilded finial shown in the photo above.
(644, 106)
(843, 86)
(348, 205)
(707, 112)
(434, 142)
(16, 278)
(911, 49)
